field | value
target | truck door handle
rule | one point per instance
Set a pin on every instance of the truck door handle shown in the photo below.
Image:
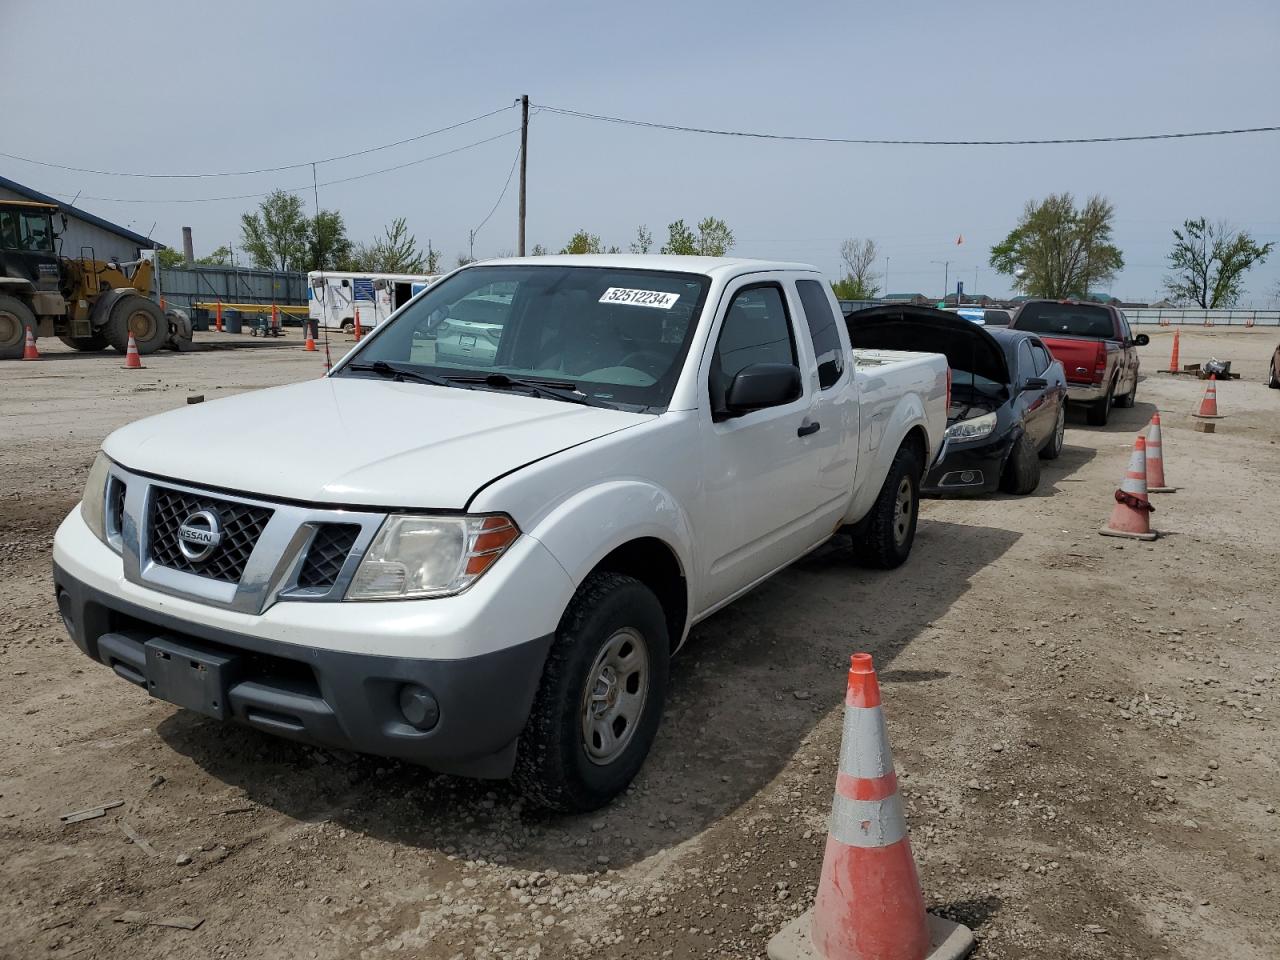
(807, 428)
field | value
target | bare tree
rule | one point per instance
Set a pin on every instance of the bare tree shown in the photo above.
(859, 258)
(1209, 262)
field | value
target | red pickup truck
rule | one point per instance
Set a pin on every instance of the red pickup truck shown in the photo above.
(1095, 346)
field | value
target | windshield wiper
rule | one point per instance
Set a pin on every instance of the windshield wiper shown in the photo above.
(546, 389)
(397, 372)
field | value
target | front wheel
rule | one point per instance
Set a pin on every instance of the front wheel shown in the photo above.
(890, 528)
(1130, 398)
(140, 317)
(1273, 381)
(597, 710)
(1022, 470)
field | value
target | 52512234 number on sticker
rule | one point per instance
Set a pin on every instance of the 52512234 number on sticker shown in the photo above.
(640, 298)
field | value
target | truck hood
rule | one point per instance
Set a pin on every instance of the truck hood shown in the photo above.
(967, 345)
(357, 442)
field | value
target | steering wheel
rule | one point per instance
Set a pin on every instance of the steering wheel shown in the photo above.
(654, 367)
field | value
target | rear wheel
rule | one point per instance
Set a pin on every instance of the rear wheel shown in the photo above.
(1022, 470)
(1099, 412)
(888, 531)
(142, 318)
(15, 318)
(1273, 381)
(1053, 449)
(603, 687)
(95, 341)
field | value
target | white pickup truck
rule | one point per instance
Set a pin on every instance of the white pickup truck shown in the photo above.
(478, 550)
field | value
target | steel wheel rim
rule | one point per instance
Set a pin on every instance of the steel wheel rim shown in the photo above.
(1060, 431)
(11, 332)
(142, 325)
(614, 699)
(902, 511)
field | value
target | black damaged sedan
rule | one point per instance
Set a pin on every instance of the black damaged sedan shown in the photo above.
(1008, 397)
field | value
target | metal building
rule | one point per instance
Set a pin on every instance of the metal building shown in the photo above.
(84, 230)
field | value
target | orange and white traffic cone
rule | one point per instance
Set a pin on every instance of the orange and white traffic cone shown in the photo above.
(217, 318)
(1173, 357)
(1155, 459)
(29, 351)
(1132, 514)
(869, 905)
(133, 359)
(310, 345)
(356, 329)
(1208, 409)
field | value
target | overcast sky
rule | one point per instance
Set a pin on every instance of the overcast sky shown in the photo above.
(187, 87)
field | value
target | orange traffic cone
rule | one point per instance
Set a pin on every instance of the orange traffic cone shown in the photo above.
(29, 351)
(1173, 357)
(356, 330)
(217, 321)
(869, 905)
(1209, 405)
(1132, 514)
(132, 359)
(1155, 459)
(310, 345)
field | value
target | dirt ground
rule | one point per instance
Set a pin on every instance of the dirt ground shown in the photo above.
(1085, 730)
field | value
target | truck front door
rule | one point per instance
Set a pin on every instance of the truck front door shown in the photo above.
(759, 493)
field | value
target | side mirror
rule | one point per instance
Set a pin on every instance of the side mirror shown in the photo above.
(762, 385)
(1141, 340)
(1035, 383)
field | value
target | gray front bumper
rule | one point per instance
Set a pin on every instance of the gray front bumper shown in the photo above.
(337, 699)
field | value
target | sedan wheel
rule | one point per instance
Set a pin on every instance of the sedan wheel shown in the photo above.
(1053, 449)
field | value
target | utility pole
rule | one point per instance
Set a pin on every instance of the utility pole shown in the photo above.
(886, 276)
(946, 277)
(471, 255)
(524, 156)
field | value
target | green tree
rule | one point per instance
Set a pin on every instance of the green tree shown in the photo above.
(1057, 250)
(643, 242)
(433, 260)
(680, 240)
(715, 239)
(219, 258)
(278, 235)
(583, 242)
(174, 260)
(327, 245)
(396, 251)
(538, 250)
(1209, 262)
(170, 259)
(850, 289)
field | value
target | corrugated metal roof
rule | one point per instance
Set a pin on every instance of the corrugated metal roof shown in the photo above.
(79, 214)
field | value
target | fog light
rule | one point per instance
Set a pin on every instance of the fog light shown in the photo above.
(419, 707)
(966, 476)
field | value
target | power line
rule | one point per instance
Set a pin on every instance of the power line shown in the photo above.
(302, 189)
(890, 142)
(510, 173)
(248, 173)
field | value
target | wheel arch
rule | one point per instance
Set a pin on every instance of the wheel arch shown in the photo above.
(652, 562)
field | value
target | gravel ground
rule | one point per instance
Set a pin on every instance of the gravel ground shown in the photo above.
(1085, 730)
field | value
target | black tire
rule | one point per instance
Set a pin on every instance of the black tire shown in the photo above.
(139, 316)
(87, 344)
(1099, 411)
(883, 540)
(15, 317)
(553, 766)
(1022, 470)
(348, 327)
(1130, 398)
(1052, 449)
(1273, 380)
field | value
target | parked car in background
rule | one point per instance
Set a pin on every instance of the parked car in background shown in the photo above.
(1096, 347)
(985, 316)
(1273, 375)
(1008, 397)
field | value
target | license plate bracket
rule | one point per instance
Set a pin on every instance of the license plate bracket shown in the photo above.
(191, 677)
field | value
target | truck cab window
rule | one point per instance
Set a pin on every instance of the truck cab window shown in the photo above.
(756, 329)
(8, 230)
(37, 232)
(822, 331)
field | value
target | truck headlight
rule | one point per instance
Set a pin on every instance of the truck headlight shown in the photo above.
(973, 429)
(416, 556)
(93, 506)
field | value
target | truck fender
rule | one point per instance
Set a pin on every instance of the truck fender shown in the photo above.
(907, 414)
(101, 311)
(585, 528)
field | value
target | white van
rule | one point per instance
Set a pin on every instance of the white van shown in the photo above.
(334, 296)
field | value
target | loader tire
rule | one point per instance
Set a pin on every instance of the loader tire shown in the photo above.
(15, 317)
(142, 318)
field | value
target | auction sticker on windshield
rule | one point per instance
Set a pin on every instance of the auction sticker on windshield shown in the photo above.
(640, 298)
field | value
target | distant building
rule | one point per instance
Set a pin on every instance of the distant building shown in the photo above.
(84, 231)
(916, 298)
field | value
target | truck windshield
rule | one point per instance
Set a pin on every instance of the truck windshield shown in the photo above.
(618, 336)
(1072, 319)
